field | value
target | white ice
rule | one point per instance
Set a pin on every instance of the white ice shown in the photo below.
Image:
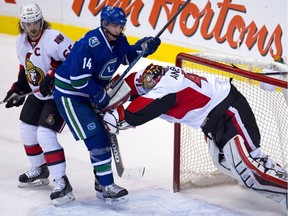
(150, 145)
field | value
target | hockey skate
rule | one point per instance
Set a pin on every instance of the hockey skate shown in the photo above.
(97, 186)
(114, 194)
(98, 189)
(280, 172)
(271, 165)
(62, 192)
(35, 177)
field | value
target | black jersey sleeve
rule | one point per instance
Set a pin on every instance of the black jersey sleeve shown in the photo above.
(22, 82)
(143, 112)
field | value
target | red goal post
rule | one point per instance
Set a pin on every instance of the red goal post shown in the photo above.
(192, 162)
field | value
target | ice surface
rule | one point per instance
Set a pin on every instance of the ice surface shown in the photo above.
(149, 145)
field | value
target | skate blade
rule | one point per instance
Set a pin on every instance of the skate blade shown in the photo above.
(36, 183)
(116, 201)
(99, 195)
(63, 200)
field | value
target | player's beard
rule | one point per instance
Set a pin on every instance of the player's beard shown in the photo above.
(34, 34)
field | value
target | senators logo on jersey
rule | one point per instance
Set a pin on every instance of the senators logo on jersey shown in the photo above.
(50, 119)
(34, 74)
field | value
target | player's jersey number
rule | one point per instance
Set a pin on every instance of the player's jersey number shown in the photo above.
(87, 63)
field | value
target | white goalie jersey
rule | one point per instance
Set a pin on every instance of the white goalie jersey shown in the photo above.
(196, 96)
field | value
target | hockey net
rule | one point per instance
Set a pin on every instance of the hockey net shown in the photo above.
(192, 162)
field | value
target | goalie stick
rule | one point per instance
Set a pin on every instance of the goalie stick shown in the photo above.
(121, 170)
(119, 95)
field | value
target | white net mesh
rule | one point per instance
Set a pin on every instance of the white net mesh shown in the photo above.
(270, 110)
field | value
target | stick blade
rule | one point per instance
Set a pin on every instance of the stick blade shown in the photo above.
(133, 173)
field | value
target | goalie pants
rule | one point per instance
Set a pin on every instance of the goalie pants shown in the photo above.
(231, 117)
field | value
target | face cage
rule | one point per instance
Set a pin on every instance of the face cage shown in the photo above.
(148, 82)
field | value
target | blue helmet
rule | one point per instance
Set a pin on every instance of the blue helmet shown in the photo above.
(113, 15)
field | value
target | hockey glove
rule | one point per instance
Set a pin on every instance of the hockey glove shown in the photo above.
(114, 120)
(12, 97)
(149, 45)
(100, 100)
(47, 84)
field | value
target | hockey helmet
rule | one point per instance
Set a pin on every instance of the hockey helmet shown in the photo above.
(151, 76)
(113, 15)
(30, 13)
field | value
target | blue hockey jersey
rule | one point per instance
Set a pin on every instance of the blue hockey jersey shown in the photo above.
(91, 64)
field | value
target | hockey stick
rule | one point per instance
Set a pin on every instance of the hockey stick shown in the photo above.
(19, 96)
(268, 73)
(120, 99)
(123, 172)
(157, 36)
(136, 172)
(275, 73)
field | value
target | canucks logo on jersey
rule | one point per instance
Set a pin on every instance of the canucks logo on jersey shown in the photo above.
(93, 41)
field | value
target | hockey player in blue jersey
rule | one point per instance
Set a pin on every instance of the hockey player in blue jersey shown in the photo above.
(80, 87)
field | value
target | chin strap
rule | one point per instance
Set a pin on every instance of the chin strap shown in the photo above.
(108, 32)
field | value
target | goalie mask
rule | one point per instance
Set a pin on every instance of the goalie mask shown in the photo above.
(30, 13)
(151, 76)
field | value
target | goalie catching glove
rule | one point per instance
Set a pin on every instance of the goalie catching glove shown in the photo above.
(114, 120)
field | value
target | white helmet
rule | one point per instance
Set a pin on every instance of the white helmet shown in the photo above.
(30, 12)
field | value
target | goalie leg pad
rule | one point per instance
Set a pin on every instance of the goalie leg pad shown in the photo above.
(218, 158)
(253, 174)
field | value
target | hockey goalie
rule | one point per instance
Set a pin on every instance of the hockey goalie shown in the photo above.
(216, 107)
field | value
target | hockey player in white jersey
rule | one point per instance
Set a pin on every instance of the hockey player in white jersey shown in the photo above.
(40, 51)
(219, 109)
